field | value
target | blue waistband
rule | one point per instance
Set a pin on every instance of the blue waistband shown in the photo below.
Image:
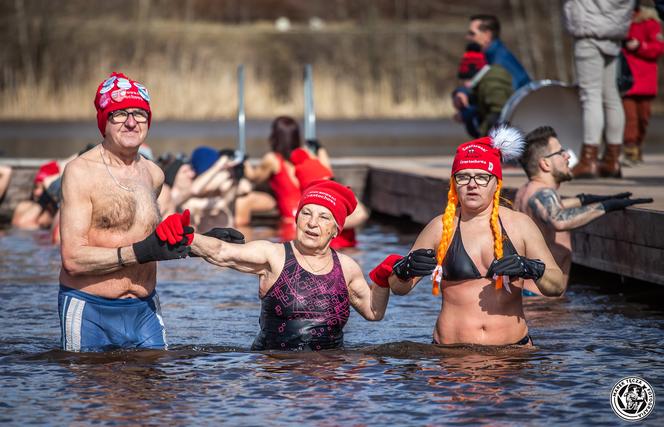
(94, 299)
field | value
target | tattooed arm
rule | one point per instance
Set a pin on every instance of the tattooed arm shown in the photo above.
(547, 206)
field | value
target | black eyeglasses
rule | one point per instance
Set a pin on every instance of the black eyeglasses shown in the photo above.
(481, 179)
(121, 116)
(561, 152)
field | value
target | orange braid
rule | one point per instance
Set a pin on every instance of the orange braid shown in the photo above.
(446, 238)
(495, 228)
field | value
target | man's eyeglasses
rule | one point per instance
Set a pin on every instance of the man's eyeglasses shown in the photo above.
(561, 152)
(481, 179)
(121, 116)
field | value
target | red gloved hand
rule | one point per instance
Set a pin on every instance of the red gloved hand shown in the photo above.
(175, 228)
(381, 273)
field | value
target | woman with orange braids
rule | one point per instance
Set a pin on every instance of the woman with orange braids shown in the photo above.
(474, 249)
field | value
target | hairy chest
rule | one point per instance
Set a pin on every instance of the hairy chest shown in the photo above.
(121, 210)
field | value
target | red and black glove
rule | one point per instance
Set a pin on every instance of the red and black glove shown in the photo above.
(175, 227)
(381, 273)
(170, 240)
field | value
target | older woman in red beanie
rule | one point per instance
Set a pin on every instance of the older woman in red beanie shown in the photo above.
(483, 252)
(306, 288)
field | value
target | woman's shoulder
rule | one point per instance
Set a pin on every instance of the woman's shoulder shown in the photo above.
(514, 221)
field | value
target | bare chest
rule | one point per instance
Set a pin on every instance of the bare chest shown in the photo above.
(116, 209)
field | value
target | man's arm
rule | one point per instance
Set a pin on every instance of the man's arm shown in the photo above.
(548, 208)
(252, 257)
(369, 301)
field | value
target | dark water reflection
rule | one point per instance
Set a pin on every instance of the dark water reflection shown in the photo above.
(388, 374)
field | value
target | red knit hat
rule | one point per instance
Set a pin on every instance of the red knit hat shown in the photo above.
(471, 63)
(503, 143)
(307, 168)
(338, 198)
(46, 170)
(118, 92)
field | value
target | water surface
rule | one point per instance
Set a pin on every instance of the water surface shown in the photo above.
(387, 375)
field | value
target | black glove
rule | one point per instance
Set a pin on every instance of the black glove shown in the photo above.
(618, 204)
(587, 199)
(516, 266)
(314, 145)
(417, 263)
(229, 235)
(154, 249)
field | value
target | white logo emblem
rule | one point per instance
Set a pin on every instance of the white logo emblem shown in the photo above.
(490, 166)
(124, 84)
(632, 398)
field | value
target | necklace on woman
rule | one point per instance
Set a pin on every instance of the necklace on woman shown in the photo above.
(101, 151)
(313, 270)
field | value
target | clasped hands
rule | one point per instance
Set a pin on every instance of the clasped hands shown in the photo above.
(173, 236)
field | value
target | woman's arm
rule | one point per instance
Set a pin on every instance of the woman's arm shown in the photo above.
(253, 257)
(428, 238)
(552, 282)
(369, 301)
(268, 166)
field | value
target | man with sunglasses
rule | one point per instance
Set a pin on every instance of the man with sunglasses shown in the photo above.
(545, 162)
(110, 231)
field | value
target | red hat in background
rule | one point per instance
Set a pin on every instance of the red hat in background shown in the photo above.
(472, 61)
(46, 170)
(308, 169)
(116, 93)
(338, 198)
(503, 143)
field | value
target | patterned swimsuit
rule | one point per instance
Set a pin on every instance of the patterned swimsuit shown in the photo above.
(302, 310)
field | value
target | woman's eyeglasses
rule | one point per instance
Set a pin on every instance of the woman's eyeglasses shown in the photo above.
(121, 116)
(481, 179)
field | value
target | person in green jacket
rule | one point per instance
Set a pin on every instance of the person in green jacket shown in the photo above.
(483, 92)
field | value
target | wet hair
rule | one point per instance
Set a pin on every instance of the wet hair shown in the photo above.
(285, 136)
(537, 144)
(488, 23)
(448, 232)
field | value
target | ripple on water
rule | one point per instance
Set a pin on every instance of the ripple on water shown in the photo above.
(389, 374)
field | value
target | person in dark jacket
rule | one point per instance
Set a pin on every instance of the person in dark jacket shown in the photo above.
(484, 91)
(485, 31)
(643, 47)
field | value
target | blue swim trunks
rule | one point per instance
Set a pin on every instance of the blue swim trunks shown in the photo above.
(92, 323)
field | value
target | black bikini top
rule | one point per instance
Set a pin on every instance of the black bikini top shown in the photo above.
(458, 265)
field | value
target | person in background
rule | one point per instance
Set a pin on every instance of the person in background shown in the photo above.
(40, 210)
(5, 177)
(546, 164)
(598, 28)
(485, 31)
(483, 92)
(643, 47)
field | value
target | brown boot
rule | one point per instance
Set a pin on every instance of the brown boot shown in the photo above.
(630, 155)
(587, 166)
(609, 166)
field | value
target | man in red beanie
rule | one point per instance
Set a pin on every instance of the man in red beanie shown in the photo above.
(111, 232)
(306, 288)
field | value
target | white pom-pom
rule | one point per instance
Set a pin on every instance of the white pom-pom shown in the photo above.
(508, 140)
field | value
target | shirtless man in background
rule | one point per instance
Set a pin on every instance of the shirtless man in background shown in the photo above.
(111, 234)
(546, 163)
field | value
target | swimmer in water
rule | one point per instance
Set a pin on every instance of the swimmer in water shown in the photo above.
(111, 234)
(483, 252)
(305, 287)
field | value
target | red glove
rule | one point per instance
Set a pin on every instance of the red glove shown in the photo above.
(174, 228)
(382, 272)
